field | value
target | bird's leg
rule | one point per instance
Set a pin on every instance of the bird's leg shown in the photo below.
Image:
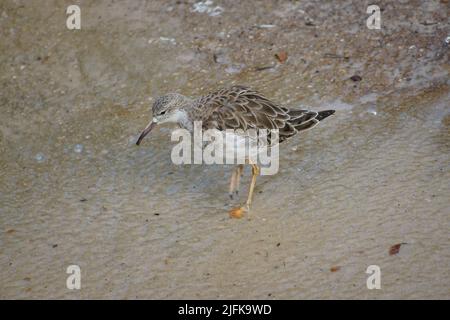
(232, 183)
(235, 180)
(239, 212)
(239, 172)
(255, 173)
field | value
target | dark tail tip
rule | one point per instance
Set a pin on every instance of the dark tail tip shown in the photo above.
(323, 114)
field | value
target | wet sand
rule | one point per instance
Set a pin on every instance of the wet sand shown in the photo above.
(74, 189)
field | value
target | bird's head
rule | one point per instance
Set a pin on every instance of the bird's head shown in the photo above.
(166, 109)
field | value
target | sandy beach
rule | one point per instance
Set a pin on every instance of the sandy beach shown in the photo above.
(368, 186)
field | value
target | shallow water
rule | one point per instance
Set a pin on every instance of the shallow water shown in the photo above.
(74, 189)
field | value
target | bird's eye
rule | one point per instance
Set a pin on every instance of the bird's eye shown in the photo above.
(162, 112)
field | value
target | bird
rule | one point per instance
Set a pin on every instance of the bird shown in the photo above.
(234, 107)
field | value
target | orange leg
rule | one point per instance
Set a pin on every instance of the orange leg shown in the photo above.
(235, 180)
(232, 183)
(239, 212)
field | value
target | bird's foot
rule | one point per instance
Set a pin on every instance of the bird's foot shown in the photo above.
(239, 212)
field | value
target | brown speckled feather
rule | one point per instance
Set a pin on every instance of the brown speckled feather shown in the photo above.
(240, 107)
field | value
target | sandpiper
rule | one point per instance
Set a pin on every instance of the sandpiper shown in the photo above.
(237, 107)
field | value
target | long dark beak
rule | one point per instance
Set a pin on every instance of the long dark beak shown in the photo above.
(147, 129)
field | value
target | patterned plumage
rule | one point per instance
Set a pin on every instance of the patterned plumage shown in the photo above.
(239, 108)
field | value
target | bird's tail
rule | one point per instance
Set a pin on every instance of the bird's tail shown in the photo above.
(323, 114)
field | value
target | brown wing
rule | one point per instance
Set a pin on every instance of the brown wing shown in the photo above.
(240, 107)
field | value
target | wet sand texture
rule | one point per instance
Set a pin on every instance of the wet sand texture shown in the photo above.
(74, 189)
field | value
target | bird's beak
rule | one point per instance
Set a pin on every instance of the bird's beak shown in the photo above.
(147, 129)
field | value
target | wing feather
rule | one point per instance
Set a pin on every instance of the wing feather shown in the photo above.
(240, 107)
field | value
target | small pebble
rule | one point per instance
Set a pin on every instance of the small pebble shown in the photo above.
(372, 111)
(170, 40)
(39, 157)
(447, 40)
(233, 69)
(266, 26)
(78, 148)
(334, 269)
